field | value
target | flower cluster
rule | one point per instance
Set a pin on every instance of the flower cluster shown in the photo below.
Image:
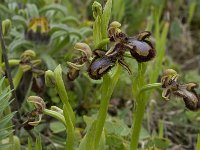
(171, 86)
(101, 61)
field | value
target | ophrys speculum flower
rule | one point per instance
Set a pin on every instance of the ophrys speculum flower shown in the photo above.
(35, 116)
(102, 61)
(77, 64)
(171, 86)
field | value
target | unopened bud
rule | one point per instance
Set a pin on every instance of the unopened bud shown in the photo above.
(49, 78)
(115, 24)
(57, 109)
(28, 55)
(97, 9)
(6, 25)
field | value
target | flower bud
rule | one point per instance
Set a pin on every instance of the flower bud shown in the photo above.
(6, 25)
(168, 75)
(115, 24)
(57, 109)
(28, 55)
(49, 78)
(97, 9)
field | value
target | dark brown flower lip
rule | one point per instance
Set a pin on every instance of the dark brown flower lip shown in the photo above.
(99, 66)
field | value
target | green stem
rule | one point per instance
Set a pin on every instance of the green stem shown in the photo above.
(139, 90)
(62, 92)
(56, 115)
(11, 62)
(107, 90)
(137, 124)
(11, 136)
(18, 77)
(106, 94)
(198, 142)
(139, 111)
(0, 56)
(67, 109)
(70, 129)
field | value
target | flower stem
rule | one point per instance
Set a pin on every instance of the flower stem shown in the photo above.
(108, 86)
(56, 115)
(137, 124)
(106, 94)
(139, 89)
(140, 104)
(67, 109)
(11, 62)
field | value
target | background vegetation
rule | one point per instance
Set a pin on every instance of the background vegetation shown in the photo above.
(166, 125)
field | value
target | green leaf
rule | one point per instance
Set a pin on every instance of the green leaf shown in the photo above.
(97, 34)
(20, 19)
(5, 146)
(116, 127)
(118, 10)
(5, 10)
(192, 7)
(86, 142)
(76, 33)
(4, 121)
(4, 134)
(161, 143)
(55, 7)
(106, 17)
(38, 143)
(29, 144)
(85, 31)
(59, 27)
(49, 61)
(198, 142)
(5, 128)
(58, 34)
(16, 44)
(102, 143)
(32, 10)
(70, 19)
(57, 127)
(115, 142)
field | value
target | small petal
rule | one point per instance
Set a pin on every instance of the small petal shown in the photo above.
(38, 102)
(75, 66)
(83, 47)
(35, 123)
